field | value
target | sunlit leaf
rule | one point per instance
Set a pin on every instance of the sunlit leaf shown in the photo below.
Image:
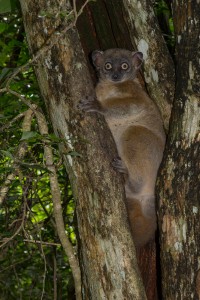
(26, 135)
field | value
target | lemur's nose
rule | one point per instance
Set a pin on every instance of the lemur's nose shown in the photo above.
(115, 76)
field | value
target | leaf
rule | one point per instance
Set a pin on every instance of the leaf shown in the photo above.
(74, 153)
(34, 166)
(5, 6)
(4, 170)
(4, 73)
(26, 135)
(54, 138)
(3, 26)
(7, 153)
(8, 6)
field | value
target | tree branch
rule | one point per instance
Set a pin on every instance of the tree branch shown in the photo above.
(22, 148)
(10, 123)
(56, 197)
(42, 243)
(49, 43)
(6, 240)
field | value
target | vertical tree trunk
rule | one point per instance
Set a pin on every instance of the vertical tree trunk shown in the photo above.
(112, 23)
(158, 67)
(107, 253)
(179, 186)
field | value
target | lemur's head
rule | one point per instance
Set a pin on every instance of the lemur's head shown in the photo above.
(117, 65)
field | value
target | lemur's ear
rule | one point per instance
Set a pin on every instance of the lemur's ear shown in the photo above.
(97, 58)
(137, 59)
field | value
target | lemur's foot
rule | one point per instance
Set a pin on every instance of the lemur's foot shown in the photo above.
(89, 103)
(118, 164)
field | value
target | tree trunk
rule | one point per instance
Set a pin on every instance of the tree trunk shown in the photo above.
(112, 23)
(107, 254)
(158, 68)
(179, 186)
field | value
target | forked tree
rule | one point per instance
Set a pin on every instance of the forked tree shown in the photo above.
(107, 256)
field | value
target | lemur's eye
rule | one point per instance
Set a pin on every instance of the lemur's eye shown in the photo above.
(124, 66)
(108, 66)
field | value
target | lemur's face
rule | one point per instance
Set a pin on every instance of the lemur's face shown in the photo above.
(117, 65)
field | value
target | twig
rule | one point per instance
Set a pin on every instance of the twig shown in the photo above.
(54, 278)
(15, 221)
(15, 264)
(45, 272)
(10, 123)
(6, 240)
(56, 197)
(47, 214)
(74, 8)
(42, 243)
(81, 10)
(4, 189)
(22, 148)
(33, 107)
(50, 42)
(18, 282)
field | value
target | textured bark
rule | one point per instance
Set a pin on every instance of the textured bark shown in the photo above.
(149, 270)
(179, 204)
(158, 66)
(107, 253)
(104, 20)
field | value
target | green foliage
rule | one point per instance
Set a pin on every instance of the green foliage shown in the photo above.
(164, 15)
(33, 264)
(5, 6)
(30, 268)
(8, 6)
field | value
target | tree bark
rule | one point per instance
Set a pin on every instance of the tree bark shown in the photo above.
(111, 25)
(158, 67)
(107, 254)
(179, 186)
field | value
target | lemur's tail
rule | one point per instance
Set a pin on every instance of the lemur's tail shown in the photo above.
(142, 220)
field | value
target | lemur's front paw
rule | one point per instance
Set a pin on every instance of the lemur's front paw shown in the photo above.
(88, 104)
(119, 165)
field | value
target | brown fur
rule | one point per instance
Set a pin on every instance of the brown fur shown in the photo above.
(136, 125)
(143, 228)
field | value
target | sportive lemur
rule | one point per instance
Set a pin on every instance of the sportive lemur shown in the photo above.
(137, 128)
